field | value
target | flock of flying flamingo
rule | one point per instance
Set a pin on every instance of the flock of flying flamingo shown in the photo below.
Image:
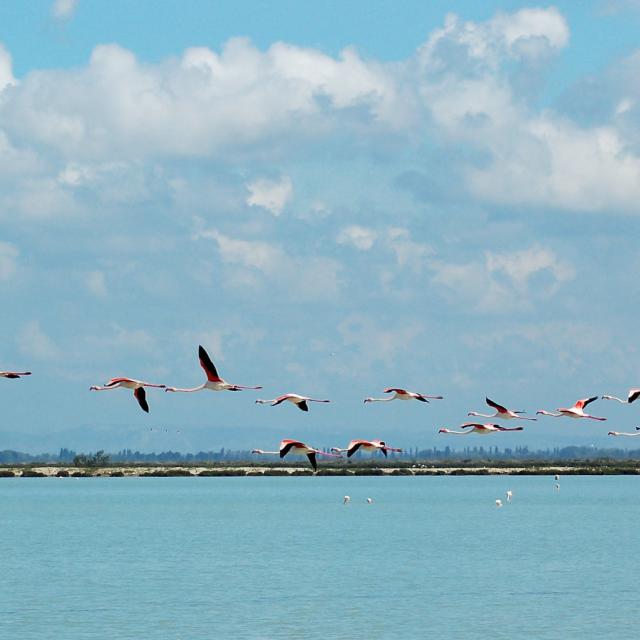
(214, 382)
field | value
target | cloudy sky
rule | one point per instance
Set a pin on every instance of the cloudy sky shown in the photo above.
(332, 200)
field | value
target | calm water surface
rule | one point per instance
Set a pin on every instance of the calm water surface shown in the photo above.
(284, 558)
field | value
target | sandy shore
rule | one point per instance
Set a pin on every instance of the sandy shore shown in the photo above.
(252, 471)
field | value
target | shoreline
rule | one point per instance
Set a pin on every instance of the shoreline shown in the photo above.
(240, 470)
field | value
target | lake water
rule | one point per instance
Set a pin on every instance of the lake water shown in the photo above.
(431, 557)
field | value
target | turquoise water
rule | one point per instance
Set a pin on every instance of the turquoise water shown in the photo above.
(284, 558)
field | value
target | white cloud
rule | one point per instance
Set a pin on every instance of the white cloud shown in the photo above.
(96, 283)
(503, 282)
(6, 69)
(8, 260)
(256, 264)
(35, 343)
(357, 236)
(270, 194)
(64, 9)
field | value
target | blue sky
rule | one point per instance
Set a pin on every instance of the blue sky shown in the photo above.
(332, 200)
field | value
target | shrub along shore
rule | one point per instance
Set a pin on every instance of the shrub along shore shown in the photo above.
(578, 467)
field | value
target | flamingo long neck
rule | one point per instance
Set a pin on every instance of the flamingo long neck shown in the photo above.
(483, 415)
(239, 386)
(393, 397)
(259, 401)
(459, 433)
(199, 388)
(550, 413)
(615, 398)
(97, 388)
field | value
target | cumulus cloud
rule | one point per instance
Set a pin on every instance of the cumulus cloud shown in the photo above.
(357, 236)
(6, 69)
(503, 281)
(64, 9)
(35, 343)
(272, 195)
(257, 264)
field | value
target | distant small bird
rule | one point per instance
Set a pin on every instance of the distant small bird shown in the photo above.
(509, 495)
(130, 383)
(634, 394)
(214, 381)
(557, 487)
(369, 500)
(403, 394)
(498, 502)
(557, 476)
(576, 411)
(298, 400)
(480, 429)
(14, 374)
(346, 500)
(501, 412)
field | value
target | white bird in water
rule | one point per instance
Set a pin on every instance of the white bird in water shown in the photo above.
(576, 411)
(366, 445)
(509, 495)
(481, 429)
(295, 447)
(214, 381)
(623, 433)
(557, 476)
(403, 394)
(634, 394)
(130, 383)
(14, 374)
(557, 487)
(298, 400)
(501, 412)
(346, 500)
(498, 502)
(369, 500)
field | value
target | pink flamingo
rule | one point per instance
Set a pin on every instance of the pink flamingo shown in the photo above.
(576, 411)
(634, 394)
(623, 433)
(366, 445)
(481, 429)
(295, 447)
(501, 412)
(14, 374)
(214, 381)
(294, 398)
(403, 394)
(130, 383)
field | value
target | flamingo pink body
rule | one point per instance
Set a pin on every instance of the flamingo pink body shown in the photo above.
(366, 445)
(403, 394)
(214, 382)
(480, 429)
(295, 447)
(576, 411)
(130, 383)
(294, 398)
(501, 412)
(14, 374)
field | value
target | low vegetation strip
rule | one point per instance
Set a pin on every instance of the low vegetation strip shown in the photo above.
(581, 467)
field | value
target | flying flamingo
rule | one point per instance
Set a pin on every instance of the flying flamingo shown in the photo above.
(214, 381)
(129, 383)
(481, 429)
(577, 411)
(14, 374)
(634, 394)
(366, 445)
(403, 394)
(299, 401)
(622, 433)
(295, 447)
(501, 412)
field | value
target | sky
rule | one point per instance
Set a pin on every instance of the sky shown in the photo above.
(332, 200)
